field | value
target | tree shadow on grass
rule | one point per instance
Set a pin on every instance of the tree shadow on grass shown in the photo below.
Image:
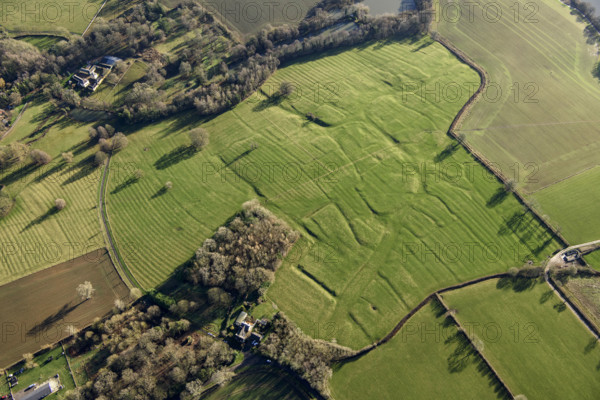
(18, 174)
(80, 147)
(52, 319)
(462, 354)
(175, 156)
(41, 218)
(560, 307)
(163, 190)
(86, 168)
(497, 198)
(274, 100)
(47, 171)
(518, 284)
(543, 245)
(547, 295)
(592, 344)
(465, 354)
(447, 152)
(513, 223)
(125, 184)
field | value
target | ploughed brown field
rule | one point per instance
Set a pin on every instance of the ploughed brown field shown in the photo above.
(37, 309)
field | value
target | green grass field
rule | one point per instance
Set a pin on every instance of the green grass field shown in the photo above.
(41, 42)
(34, 236)
(570, 205)
(538, 58)
(377, 238)
(427, 359)
(250, 17)
(260, 383)
(593, 259)
(31, 16)
(46, 370)
(539, 48)
(538, 347)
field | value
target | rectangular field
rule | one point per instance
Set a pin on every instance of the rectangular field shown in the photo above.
(33, 236)
(571, 205)
(537, 59)
(38, 308)
(585, 293)
(47, 16)
(427, 359)
(390, 209)
(250, 17)
(535, 343)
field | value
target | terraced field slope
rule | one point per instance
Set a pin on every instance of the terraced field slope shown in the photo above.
(539, 117)
(389, 208)
(34, 236)
(537, 346)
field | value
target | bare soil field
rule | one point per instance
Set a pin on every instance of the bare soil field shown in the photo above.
(37, 309)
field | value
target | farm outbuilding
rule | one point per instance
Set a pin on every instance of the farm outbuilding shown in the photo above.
(241, 318)
(39, 392)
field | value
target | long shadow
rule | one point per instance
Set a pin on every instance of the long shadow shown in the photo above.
(547, 295)
(47, 172)
(447, 152)
(517, 284)
(462, 354)
(18, 174)
(543, 245)
(175, 156)
(80, 147)
(163, 190)
(86, 167)
(272, 101)
(41, 219)
(592, 344)
(513, 223)
(423, 46)
(57, 316)
(497, 198)
(125, 184)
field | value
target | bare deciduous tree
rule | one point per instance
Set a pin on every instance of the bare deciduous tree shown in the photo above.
(286, 89)
(29, 363)
(67, 157)
(199, 138)
(100, 158)
(119, 142)
(85, 290)
(60, 204)
(39, 157)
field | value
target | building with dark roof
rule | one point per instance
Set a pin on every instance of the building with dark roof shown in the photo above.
(39, 392)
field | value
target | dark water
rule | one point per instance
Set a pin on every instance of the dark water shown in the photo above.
(391, 6)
